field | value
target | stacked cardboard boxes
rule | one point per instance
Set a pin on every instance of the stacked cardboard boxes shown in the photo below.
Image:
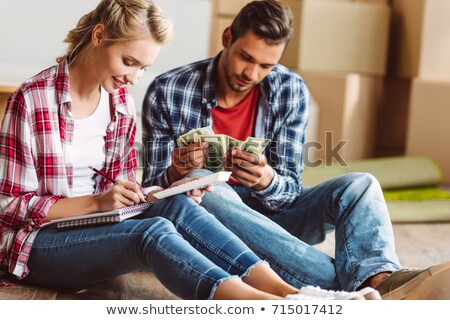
(340, 49)
(413, 118)
(343, 36)
(420, 45)
(348, 109)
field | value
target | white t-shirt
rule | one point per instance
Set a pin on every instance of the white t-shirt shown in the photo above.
(88, 146)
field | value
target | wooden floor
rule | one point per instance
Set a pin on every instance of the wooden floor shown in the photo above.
(418, 246)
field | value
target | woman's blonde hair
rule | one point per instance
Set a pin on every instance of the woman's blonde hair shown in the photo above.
(123, 20)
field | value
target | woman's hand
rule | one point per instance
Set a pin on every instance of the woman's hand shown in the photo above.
(120, 195)
(195, 194)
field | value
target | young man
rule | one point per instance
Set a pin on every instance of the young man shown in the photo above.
(243, 92)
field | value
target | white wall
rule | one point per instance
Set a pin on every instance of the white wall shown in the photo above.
(32, 34)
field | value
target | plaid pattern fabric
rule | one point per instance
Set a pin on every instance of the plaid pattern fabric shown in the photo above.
(182, 99)
(35, 158)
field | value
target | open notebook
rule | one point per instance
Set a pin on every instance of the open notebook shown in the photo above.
(99, 218)
(128, 212)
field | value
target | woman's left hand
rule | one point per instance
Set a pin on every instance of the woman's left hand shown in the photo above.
(195, 194)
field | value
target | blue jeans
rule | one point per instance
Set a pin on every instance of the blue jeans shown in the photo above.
(191, 258)
(353, 205)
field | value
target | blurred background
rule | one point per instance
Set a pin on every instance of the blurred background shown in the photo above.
(378, 70)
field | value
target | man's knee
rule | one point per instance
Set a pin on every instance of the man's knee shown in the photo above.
(198, 173)
(360, 182)
(364, 178)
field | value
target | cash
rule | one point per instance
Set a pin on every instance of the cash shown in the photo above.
(192, 136)
(219, 145)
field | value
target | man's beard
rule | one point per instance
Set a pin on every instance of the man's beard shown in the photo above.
(229, 79)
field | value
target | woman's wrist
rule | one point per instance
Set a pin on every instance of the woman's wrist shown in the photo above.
(95, 203)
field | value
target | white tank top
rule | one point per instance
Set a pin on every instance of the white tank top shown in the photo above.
(88, 146)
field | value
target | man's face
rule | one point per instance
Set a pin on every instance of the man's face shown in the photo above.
(248, 60)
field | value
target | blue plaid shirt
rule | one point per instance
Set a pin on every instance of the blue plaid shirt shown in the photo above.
(182, 99)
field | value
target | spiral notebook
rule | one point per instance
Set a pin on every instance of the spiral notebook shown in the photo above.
(99, 218)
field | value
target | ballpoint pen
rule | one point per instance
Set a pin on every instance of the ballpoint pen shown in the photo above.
(111, 180)
(102, 174)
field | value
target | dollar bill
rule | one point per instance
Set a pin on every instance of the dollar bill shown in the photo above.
(233, 143)
(193, 136)
(181, 142)
(219, 145)
(215, 152)
(255, 145)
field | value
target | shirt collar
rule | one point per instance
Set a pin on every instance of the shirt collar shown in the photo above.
(62, 83)
(119, 101)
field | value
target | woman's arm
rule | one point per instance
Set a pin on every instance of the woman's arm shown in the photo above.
(23, 197)
(120, 195)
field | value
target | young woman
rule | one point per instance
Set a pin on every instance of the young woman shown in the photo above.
(78, 114)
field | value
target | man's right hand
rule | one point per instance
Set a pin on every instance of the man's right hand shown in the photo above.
(185, 159)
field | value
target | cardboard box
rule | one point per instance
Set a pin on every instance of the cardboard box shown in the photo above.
(338, 36)
(5, 92)
(3, 98)
(420, 41)
(369, 1)
(348, 104)
(392, 118)
(223, 13)
(217, 27)
(228, 7)
(428, 123)
(373, 1)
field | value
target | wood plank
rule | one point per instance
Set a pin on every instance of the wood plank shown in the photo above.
(26, 292)
(144, 285)
(423, 244)
(139, 285)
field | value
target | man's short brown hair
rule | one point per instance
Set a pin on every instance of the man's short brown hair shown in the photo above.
(268, 19)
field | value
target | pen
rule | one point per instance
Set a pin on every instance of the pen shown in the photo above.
(102, 174)
(109, 179)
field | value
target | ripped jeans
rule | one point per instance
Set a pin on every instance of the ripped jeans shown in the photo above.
(187, 249)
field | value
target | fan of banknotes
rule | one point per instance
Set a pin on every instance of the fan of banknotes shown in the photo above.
(219, 145)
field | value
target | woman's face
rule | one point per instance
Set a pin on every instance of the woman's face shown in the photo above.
(124, 62)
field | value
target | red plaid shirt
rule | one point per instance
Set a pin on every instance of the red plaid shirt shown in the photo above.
(35, 158)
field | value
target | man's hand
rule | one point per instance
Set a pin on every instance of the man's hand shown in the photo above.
(249, 169)
(185, 159)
